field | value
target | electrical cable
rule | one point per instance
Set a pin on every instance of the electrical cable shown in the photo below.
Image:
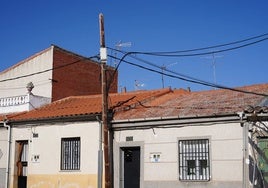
(204, 48)
(164, 54)
(167, 70)
(188, 55)
(196, 81)
(47, 70)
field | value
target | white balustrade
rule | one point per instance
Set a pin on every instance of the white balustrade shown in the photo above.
(14, 101)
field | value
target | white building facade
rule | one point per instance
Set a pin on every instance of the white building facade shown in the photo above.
(194, 152)
(46, 155)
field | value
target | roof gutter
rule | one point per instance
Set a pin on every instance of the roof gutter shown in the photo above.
(8, 152)
(174, 122)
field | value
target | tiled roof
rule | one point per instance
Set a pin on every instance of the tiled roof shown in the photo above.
(201, 103)
(88, 105)
(154, 103)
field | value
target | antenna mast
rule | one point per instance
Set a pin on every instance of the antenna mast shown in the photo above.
(214, 65)
(118, 47)
(164, 67)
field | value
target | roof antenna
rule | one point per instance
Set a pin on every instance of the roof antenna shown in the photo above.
(164, 67)
(118, 47)
(138, 85)
(214, 65)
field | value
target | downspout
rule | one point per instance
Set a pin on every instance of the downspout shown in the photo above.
(8, 153)
(100, 154)
(245, 127)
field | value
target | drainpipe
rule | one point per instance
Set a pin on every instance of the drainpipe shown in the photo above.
(100, 154)
(245, 127)
(8, 153)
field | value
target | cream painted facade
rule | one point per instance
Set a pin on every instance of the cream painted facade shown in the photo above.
(3, 155)
(225, 153)
(42, 82)
(44, 141)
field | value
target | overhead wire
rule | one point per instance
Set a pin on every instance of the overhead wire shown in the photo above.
(47, 70)
(172, 53)
(196, 81)
(189, 50)
(44, 82)
(204, 53)
(131, 53)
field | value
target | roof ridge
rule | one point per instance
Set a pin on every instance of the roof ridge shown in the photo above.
(142, 91)
(245, 87)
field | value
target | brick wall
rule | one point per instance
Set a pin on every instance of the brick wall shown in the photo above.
(77, 76)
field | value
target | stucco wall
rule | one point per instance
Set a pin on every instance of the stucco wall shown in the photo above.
(3, 146)
(39, 62)
(3, 155)
(225, 154)
(46, 172)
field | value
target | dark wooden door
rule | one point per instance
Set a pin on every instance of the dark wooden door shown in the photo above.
(131, 167)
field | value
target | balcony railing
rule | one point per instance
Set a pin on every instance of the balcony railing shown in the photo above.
(14, 101)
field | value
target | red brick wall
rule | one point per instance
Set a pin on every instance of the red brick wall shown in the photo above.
(77, 76)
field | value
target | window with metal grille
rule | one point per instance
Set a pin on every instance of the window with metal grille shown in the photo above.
(70, 153)
(194, 164)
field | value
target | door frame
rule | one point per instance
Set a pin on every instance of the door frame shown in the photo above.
(118, 171)
(20, 153)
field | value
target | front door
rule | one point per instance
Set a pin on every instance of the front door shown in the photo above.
(22, 163)
(130, 167)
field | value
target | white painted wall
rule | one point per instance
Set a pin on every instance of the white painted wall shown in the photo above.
(48, 146)
(22, 103)
(3, 146)
(34, 64)
(3, 155)
(225, 151)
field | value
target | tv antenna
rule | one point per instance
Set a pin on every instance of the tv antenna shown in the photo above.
(119, 46)
(163, 68)
(214, 65)
(138, 85)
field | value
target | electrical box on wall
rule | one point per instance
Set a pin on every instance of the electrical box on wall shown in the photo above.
(35, 158)
(155, 157)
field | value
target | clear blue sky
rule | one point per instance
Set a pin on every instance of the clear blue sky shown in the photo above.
(30, 26)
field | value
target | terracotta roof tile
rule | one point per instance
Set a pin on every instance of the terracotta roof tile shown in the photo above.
(201, 103)
(88, 105)
(154, 103)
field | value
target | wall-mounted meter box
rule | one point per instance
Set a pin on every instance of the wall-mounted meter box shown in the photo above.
(155, 157)
(35, 158)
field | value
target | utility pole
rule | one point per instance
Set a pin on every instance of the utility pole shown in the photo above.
(103, 58)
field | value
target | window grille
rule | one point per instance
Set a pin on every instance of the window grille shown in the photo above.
(70, 153)
(194, 164)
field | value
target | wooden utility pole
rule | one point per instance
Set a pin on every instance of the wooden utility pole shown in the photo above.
(103, 58)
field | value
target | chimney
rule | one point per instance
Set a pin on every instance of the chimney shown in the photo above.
(123, 90)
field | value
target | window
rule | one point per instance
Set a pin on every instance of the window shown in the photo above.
(194, 160)
(70, 153)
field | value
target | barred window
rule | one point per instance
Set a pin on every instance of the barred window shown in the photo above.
(70, 153)
(194, 164)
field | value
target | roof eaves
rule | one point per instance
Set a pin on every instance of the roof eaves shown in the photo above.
(174, 122)
(69, 118)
